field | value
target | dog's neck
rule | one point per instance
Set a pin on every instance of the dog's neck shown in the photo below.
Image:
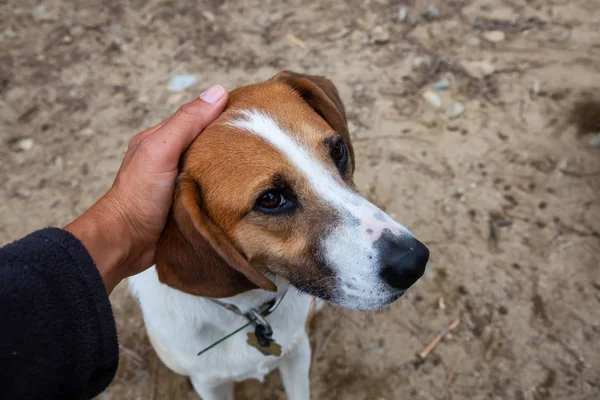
(254, 299)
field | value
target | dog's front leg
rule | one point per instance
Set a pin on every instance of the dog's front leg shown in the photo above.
(221, 392)
(295, 369)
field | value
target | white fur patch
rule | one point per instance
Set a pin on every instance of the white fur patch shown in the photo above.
(262, 125)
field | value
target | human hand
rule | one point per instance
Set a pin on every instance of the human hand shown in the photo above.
(122, 229)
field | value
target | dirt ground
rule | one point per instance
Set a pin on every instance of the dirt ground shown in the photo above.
(501, 181)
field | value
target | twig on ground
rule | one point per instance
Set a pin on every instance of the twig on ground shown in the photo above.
(132, 355)
(442, 303)
(580, 362)
(323, 342)
(450, 377)
(296, 41)
(154, 380)
(492, 24)
(183, 47)
(423, 355)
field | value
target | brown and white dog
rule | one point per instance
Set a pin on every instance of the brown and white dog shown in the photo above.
(265, 201)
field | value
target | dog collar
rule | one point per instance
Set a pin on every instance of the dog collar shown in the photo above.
(262, 338)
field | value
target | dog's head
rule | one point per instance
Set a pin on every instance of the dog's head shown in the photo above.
(268, 187)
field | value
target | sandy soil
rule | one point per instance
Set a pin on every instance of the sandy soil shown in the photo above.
(506, 194)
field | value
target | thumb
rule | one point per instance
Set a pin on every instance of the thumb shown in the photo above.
(185, 125)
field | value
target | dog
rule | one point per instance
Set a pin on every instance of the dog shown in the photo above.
(265, 219)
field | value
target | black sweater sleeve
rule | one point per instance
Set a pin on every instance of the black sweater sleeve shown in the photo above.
(57, 332)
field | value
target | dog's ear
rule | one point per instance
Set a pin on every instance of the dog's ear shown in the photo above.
(195, 256)
(322, 95)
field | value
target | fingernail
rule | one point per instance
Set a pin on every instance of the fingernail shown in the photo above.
(213, 94)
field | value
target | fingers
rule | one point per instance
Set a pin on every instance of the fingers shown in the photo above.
(176, 134)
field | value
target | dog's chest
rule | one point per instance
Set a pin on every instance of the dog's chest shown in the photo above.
(238, 361)
(180, 326)
(234, 359)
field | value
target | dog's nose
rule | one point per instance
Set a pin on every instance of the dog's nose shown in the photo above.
(403, 264)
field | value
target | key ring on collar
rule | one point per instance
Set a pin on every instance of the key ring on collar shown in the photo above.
(256, 319)
(255, 315)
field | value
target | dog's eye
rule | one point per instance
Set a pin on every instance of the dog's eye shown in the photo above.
(339, 153)
(272, 201)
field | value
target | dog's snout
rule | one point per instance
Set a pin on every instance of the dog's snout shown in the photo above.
(403, 264)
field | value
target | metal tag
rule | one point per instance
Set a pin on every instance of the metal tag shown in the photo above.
(273, 349)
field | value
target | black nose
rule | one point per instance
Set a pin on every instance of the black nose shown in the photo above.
(403, 263)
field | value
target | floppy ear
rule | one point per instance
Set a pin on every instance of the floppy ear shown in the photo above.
(195, 256)
(322, 95)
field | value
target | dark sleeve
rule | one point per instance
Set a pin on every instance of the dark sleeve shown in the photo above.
(57, 332)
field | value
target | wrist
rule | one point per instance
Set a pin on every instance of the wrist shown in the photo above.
(103, 233)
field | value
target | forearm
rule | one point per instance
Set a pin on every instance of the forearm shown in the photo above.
(58, 336)
(102, 231)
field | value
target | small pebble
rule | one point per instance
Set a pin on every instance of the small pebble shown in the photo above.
(563, 163)
(595, 140)
(380, 350)
(181, 82)
(9, 34)
(59, 162)
(352, 128)
(339, 34)
(478, 69)
(380, 35)
(429, 274)
(402, 13)
(432, 99)
(563, 36)
(210, 17)
(87, 132)
(77, 30)
(447, 209)
(535, 88)
(420, 62)
(24, 144)
(23, 192)
(460, 190)
(494, 36)
(455, 110)
(440, 85)
(433, 12)
(114, 28)
(473, 41)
